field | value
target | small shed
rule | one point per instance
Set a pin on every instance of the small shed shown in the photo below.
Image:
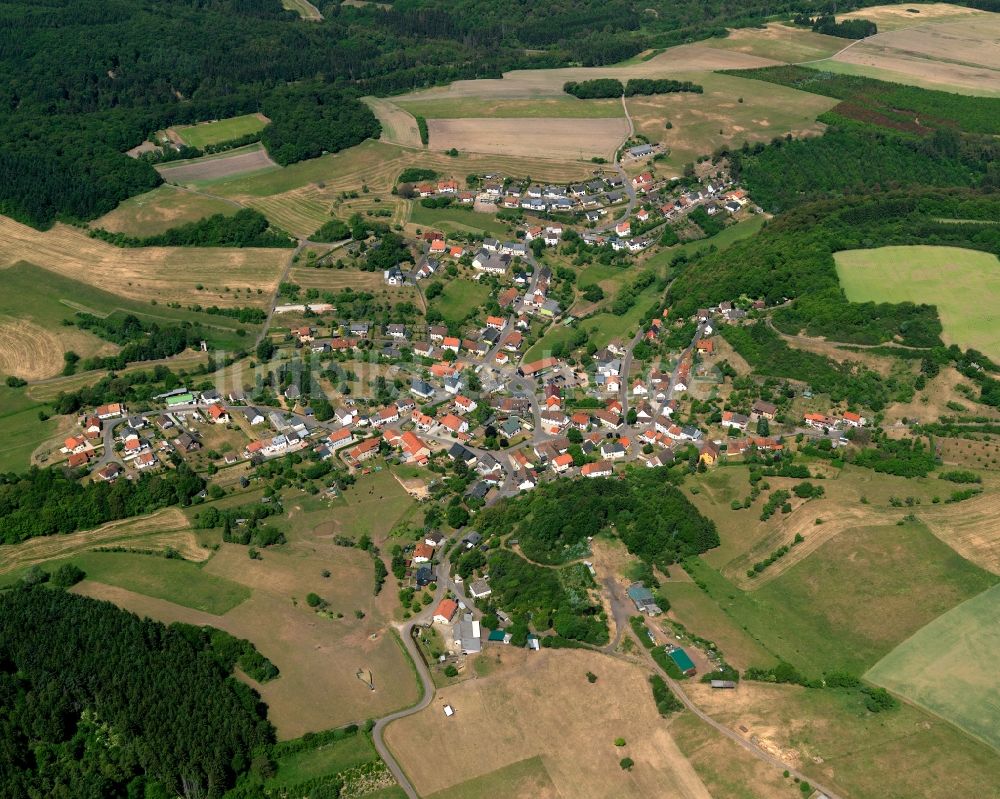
(449, 711)
(723, 684)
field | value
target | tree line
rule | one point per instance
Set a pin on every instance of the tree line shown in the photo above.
(601, 88)
(246, 228)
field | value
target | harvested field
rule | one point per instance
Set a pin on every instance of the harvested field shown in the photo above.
(541, 705)
(147, 273)
(944, 276)
(524, 778)
(161, 209)
(781, 43)
(960, 80)
(974, 531)
(220, 130)
(242, 161)
(671, 63)
(829, 734)
(168, 527)
(32, 352)
(949, 667)
(961, 53)
(894, 17)
(553, 138)
(546, 107)
(979, 452)
(318, 657)
(398, 124)
(703, 122)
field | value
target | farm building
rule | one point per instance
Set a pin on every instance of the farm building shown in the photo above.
(643, 599)
(683, 661)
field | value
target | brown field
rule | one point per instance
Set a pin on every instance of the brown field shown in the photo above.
(168, 527)
(932, 403)
(549, 82)
(894, 17)
(961, 53)
(540, 704)
(161, 209)
(904, 753)
(146, 273)
(972, 529)
(781, 42)
(242, 161)
(553, 138)
(398, 125)
(338, 279)
(33, 352)
(981, 452)
(318, 657)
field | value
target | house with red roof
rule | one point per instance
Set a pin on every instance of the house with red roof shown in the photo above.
(445, 611)
(598, 469)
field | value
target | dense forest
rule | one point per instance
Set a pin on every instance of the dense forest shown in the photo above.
(653, 518)
(46, 501)
(246, 228)
(97, 702)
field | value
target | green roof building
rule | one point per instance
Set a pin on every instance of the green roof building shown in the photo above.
(683, 661)
(180, 399)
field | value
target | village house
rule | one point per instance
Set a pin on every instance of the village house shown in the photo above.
(454, 424)
(366, 450)
(598, 469)
(562, 462)
(445, 611)
(734, 421)
(763, 410)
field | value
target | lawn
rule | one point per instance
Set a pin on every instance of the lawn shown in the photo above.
(458, 220)
(949, 667)
(326, 759)
(606, 326)
(944, 276)
(852, 600)
(558, 334)
(526, 777)
(465, 107)
(460, 298)
(177, 581)
(220, 130)
(162, 208)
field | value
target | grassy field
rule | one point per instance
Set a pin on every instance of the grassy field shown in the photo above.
(398, 125)
(553, 137)
(303, 8)
(176, 581)
(944, 276)
(457, 220)
(526, 777)
(459, 298)
(21, 431)
(220, 130)
(894, 17)
(853, 599)
(957, 83)
(240, 162)
(729, 236)
(161, 209)
(540, 108)
(781, 43)
(540, 705)
(327, 759)
(703, 122)
(902, 754)
(948, 667)
(163, 274)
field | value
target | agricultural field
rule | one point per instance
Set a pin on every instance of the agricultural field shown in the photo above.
(974, 533)
(900, 577)
(540, 705)
(731, 110)
(252, 159)
(458, 220)
(557, 137)
(828, 734)
(303, 8)
(948, 667)
(398, 125)
(159, 210)
(459, 298)
(943, 276)
(164, 274)
(566, 106)
(220, 130)
(781, 43)
(910, 15)
(524, 778)
(955, 52)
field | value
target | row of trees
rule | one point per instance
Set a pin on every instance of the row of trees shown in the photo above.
(599, 88)
(246, 228)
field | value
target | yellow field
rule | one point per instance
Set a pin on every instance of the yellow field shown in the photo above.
(894, 17)
(551, 138)
(161, 273)
(161, 209)
(540, 704)
(781, 42)
(33, 352)
(398, 125)
(974, 531)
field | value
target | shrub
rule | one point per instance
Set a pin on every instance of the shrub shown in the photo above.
(591, 677)
(67, 575)
(314, 600)
(626, 763)
(619, 742)
(450, 670)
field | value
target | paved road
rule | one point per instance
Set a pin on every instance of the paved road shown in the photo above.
(627, 183)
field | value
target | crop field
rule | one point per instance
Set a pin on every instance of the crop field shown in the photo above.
(540, 705)
(894, 17)
(242, 161)
(459, 298)
(524, 778)
(974, 532)
(163, 274)
(781, 43)
(161, 209)
(949, 667)
(703, 122)
(338, 279)
(566, 106)
(398, 124)
(829, 735)
(554, 137)
(220, 130)
(854, 598)
(943, 276)
(957, 54)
